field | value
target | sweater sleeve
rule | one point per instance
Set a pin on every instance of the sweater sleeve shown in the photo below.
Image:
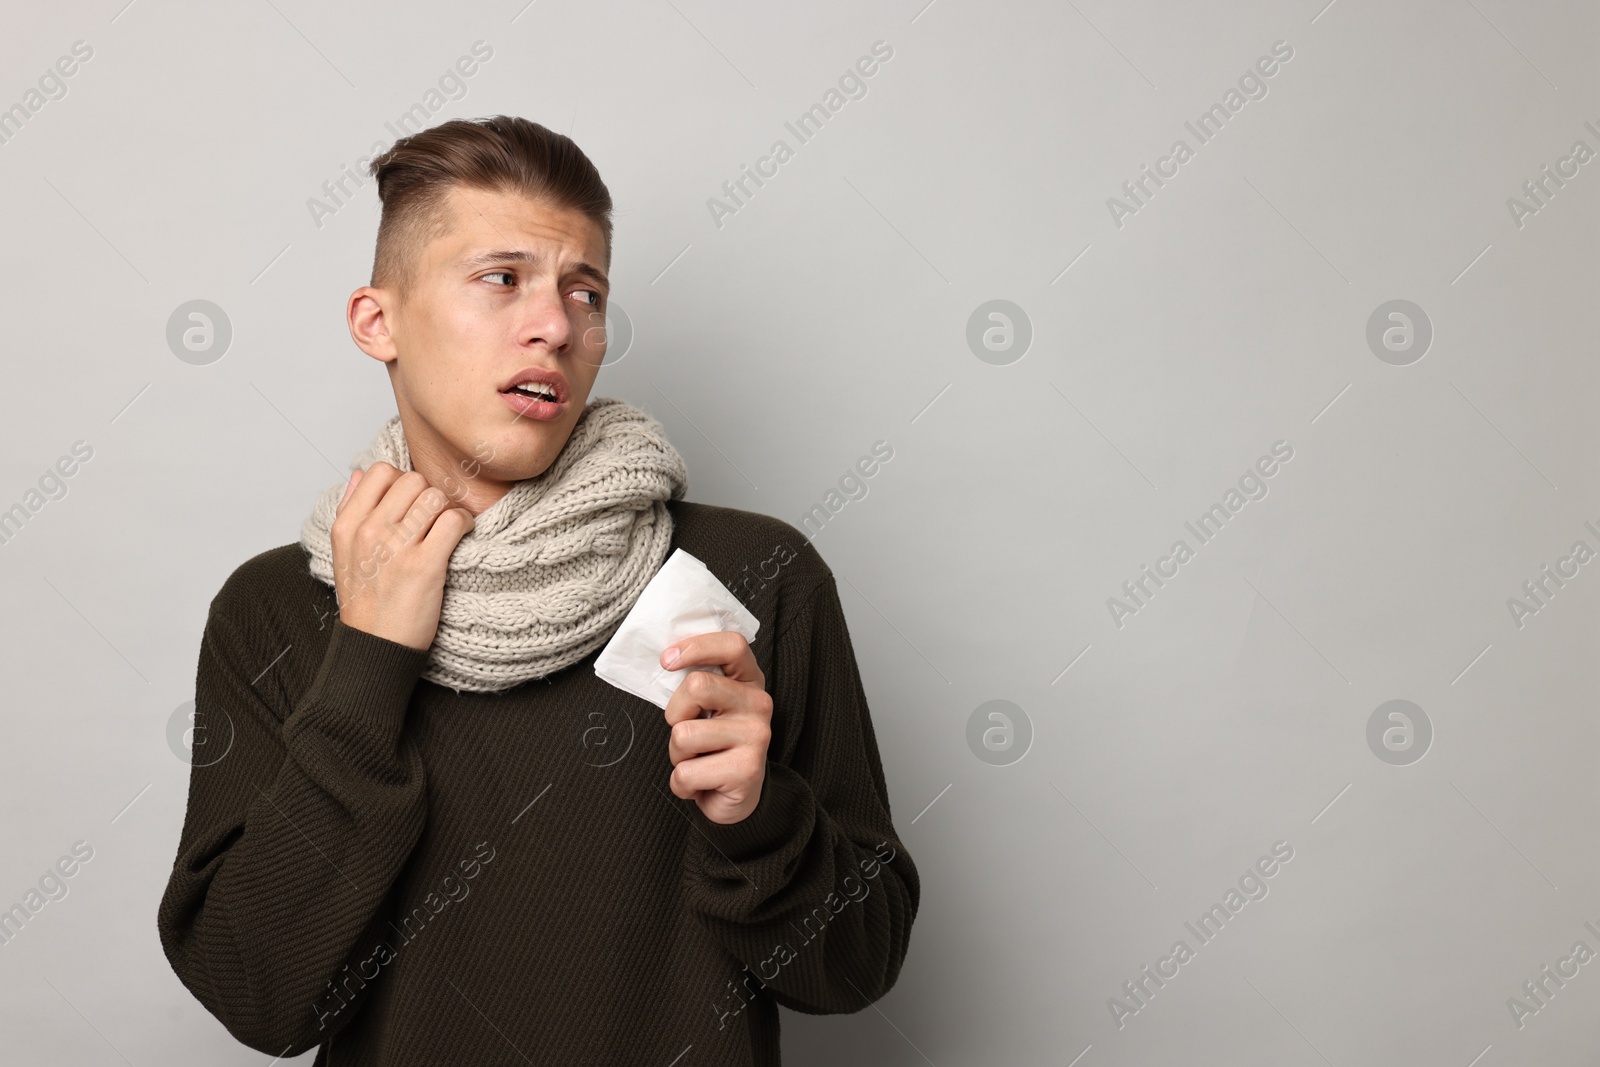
(293, 837)
(813, 891)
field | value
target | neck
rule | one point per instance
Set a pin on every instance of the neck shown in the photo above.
(463, 478)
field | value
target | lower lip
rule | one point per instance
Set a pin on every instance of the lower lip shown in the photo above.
(533, 408)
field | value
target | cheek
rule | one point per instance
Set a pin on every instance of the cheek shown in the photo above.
(456, 355)
(466, 333)
(590, 337)
(589, 344)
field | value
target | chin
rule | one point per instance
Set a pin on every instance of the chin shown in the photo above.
(524, 459)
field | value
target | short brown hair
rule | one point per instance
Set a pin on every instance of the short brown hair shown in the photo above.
(499, 154)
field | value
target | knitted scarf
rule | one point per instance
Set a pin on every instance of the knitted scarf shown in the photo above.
(551, 568)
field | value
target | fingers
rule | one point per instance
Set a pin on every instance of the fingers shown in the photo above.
(408, 488)
(719, 762)
(723, 648)
(694, 738)
(389, 514)
(718, 773)
(368, 489)
(447, 530)
(725, 695)
(355, 476)
(383, 502)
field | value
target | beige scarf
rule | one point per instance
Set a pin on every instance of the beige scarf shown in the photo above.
(551, 568)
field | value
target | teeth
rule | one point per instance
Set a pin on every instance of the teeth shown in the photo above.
(539, 389)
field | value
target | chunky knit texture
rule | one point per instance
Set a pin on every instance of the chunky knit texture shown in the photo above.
(551, 568)
(405, 875)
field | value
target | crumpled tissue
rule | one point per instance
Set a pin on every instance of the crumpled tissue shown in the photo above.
(683, 599)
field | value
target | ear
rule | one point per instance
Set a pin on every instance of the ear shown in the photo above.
(368, 315)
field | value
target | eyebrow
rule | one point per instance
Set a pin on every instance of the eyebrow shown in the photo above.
(485, 259)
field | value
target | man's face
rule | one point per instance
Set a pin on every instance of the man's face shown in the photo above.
(515, 288)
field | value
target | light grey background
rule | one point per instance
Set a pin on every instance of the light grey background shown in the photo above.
(830, 312)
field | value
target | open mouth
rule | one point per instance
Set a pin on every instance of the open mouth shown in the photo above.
(535, 390)
(542, 401)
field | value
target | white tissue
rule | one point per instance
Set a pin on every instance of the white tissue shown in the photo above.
(684, 599)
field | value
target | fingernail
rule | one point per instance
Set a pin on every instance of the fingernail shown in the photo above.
(672, 657)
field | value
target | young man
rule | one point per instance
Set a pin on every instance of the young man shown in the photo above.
(420, 829)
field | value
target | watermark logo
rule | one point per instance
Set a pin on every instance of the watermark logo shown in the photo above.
(1252, 85)
(1540, 190)
(999, 332)
(852, 486)
(1399, 732)
(737, 192)
(52, 485)
(195, 743)
(52, 85)
(614, 329)
(199, 332)
(728, 1005)
(1139, 591)
(342, 989)
(999, 732)
(1543, 987)
(604, 739)
(1399, 332)
(52, 886)
(339, 191)
(1540, 590)
(1250, 888)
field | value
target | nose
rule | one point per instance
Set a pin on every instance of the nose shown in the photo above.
(545, 319)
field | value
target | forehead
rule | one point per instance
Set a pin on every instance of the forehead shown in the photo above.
(483, 219)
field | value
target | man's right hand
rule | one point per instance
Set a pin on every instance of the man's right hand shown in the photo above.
(392, 538)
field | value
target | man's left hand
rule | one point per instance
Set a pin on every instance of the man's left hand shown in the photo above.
(718, 762)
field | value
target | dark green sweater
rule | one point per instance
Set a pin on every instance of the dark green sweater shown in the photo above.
(403, 874)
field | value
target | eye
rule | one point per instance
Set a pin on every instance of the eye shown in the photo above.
(502, 274)
(594, 300)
